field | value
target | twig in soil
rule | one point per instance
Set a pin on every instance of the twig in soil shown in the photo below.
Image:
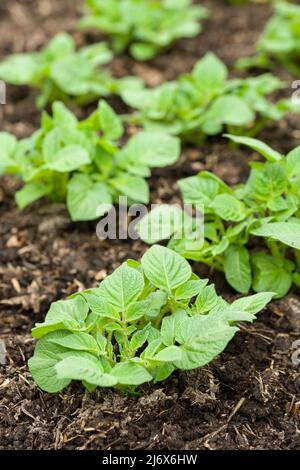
(25, 380)
(254, 332)
(236, 409)
(42, 400)
(30, 415)
(4, 384)
(22, 354)
(209, 436)
(296, 408)
(102, 435)
(16, 285)
(291, 405)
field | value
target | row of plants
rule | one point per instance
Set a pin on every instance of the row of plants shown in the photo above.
(279, 42)
(251, 231)
(148, 319)
(81, 162)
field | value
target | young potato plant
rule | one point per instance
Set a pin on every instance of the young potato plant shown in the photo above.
(251, 231)
(144, 27)
(142, 323)
(61, 73)
(205, 102)
(82, 163)
(279, 41)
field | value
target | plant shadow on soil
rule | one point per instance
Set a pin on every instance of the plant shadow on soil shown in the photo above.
(248, 398)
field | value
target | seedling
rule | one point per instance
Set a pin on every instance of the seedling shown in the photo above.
(61, 73)
(144, 27)
(279, 41)
(81, 162)
(142, 323)
(252, 231)
(205, 102)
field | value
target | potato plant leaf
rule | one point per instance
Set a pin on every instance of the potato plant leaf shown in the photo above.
(144, 28)
(60, 73)
(80, 341)
(206, 102)
(81, 162)
(251, 230)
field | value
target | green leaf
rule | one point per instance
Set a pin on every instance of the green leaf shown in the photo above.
(84, 368)
(169, 354)
(160, 223)
(293, 161)
(230, 110)
(8, 144)
(61, 45)
(170, 325)
(190, 289)
(128, 373)
(153, 149)
(267, 184)
(254, 303)
(134, 187)
(137, 310)
(31, 192)
(143, 51)
(139, 338)
(110, 122)
(78, 342)
(19, 69)
(101, 308)
(87, 200)
(237, 268)
(52, 144)
(163, 371)
(202, 339)
(285, 232)
(198, 189)
(62, 116)
(210, 72)
(229, 208)
(122, 288)
(207, 299)
(69, 310)
(165, 268)
(42, 364)
(271, 274)
(69, 159)
(69, 314)
(258, 146)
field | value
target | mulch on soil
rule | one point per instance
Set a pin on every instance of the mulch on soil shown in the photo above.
(249, 397)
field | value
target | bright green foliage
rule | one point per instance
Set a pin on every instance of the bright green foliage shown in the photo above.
(144, 26)
(279, 41)
(143, 322)
(205, 102)
(252, 231)
(61, 73)
(81, 162)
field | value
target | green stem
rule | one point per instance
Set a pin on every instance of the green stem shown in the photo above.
(274, 248)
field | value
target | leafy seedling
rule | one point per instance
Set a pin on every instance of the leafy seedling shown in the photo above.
(252, 230)
(144, 27)
(62, 73)
(204, 102)
(82, 163)
(143, 322)
(279, 42)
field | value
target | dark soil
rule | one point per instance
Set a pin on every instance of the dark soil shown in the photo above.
(249, 397)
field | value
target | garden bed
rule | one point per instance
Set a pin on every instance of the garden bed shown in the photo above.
(248, 398)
